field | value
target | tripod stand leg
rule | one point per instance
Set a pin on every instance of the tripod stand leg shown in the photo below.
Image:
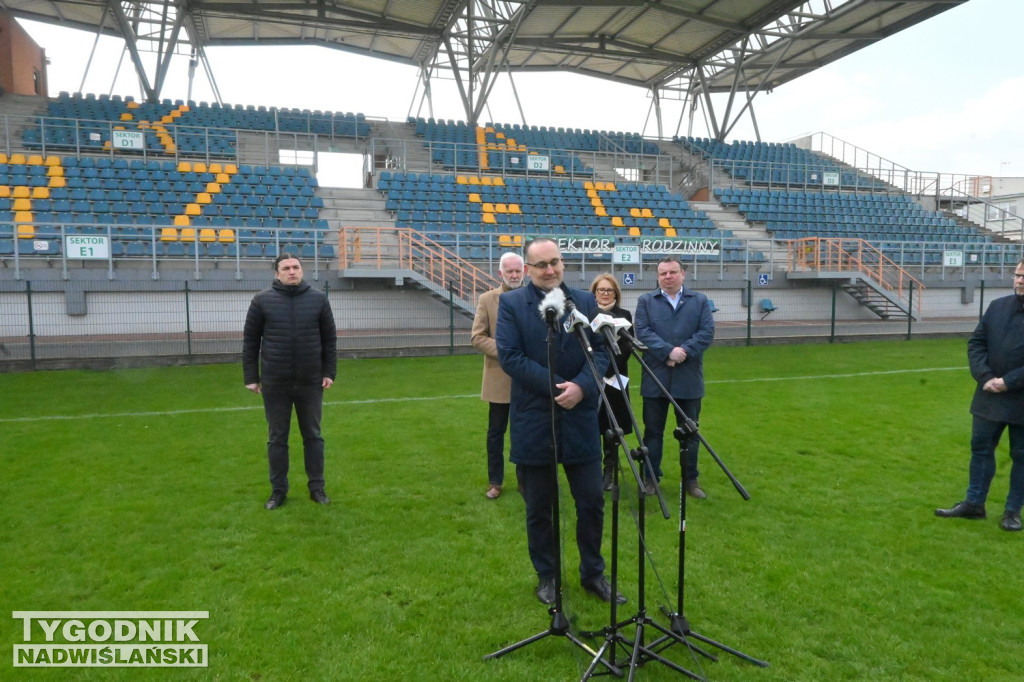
(518, 645)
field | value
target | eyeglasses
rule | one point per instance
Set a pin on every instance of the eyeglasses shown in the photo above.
(604, 291)
(1018, 274)
(544, 265)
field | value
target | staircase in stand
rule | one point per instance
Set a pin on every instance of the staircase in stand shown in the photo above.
(403, 253)
(862, 271)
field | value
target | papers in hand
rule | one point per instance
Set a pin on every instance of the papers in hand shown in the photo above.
(618, 381)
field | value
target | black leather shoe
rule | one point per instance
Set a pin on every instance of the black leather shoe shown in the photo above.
(694, 491)
(650, 489)
(609, 477)
(1011, 520)
(962, 510)
(319, 496)
(276, 500)
(546, 591)
(600, 587)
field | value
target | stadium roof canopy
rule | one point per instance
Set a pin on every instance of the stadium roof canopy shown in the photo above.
(685, 49)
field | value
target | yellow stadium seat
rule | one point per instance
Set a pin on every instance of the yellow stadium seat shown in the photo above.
(230, 169)
(474, 197)
(203, 198)
(560, 170)
(646, 213)
(487, 181)
(634, 232)
(26, 231)
(226, 235)
(663, 222)
(3, 157)
(193, 209)
(216, 168)
(501, 208)
(514, 208)
(184, 167)
(55, 171)
(57, 181)
(213, 188)
(489, 218)
(198, 167)
(52, 160)
(187, 234)
(207, 234)
(21, 192)
(168, 234)
(35, 160)
(125, 116)
(600, 211)
(17, 160)
(23, 216)
(670, 232)
(634, 213)
(223, 178)
(499, 182)
(182, 220)
(609, 187)
(5, 190)
(461, 180)
(488, 207)
(617, 221)
(22, 204)
(474, 180)
(40, 192)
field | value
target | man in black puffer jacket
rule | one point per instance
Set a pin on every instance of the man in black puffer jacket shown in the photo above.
(290, 339)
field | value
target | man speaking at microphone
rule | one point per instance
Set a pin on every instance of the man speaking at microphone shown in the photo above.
(573, 439)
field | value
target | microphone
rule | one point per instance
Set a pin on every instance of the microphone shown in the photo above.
(604, 324)
(576, 321)
(622, 330)
(552, 306)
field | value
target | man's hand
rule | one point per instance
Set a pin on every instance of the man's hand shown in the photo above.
(996, 385)
(255, 388)
(570, 396)
(327, 383)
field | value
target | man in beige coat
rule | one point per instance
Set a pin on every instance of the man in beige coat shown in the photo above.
(496, 386)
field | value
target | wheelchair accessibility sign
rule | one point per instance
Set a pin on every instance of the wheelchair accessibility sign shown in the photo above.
(762, 279)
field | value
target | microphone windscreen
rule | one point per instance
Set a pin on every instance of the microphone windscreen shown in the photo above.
(553, 303)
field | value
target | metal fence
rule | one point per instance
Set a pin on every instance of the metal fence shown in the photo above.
(54, 324)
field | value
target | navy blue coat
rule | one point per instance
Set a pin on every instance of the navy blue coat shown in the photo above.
(996, 349)
(690, 326)
(521, 336)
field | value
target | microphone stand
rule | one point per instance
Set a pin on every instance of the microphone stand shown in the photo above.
(639, 652)
(680, 626)
(559, 625)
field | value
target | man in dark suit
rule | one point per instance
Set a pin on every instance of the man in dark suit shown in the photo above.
(996, 355)
(573, 439)
(676, 325)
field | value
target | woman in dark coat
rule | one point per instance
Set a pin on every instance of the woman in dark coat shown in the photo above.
(609, 300)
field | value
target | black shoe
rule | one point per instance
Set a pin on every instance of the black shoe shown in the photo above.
(599, 586)
(962, 510)
(650, 488)
(609, 477)
(276, 500)
(319, 496)
(546, 590)
(1011, 520)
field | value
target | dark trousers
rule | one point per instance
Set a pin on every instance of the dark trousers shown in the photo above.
(497, 424)
(655, 416)
(278, 401)
(985, 437)
(539, 491)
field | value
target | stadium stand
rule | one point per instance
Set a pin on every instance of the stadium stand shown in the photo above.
(86, 123)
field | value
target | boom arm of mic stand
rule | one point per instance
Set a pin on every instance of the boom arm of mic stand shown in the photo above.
(689, 426)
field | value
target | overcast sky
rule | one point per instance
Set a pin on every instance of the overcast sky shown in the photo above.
(946, 95)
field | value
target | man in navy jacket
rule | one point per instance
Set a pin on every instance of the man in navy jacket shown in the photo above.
(573, 439)
(996, 355)
(676, 325)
